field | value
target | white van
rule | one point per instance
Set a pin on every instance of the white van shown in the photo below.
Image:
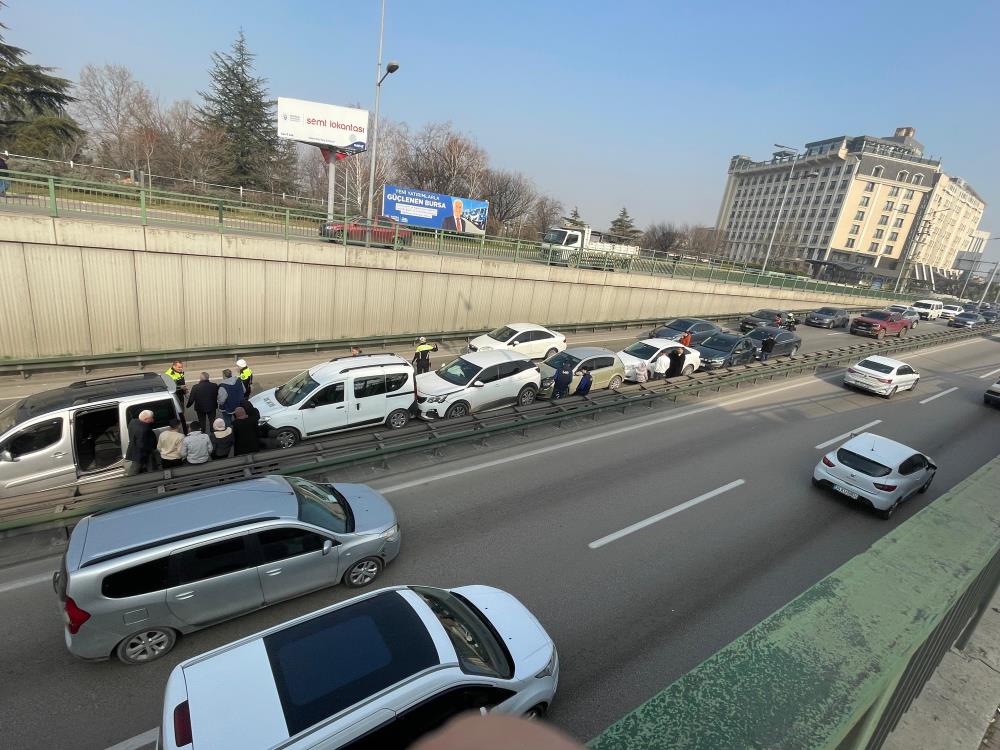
(929, 309)
(342, 394)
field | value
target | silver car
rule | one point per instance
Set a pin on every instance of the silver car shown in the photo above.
(134, 579)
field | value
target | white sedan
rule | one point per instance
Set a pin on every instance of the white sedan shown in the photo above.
(647, 350)
(881, 375)
(531, 340)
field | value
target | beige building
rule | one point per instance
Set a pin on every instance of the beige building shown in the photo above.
(850, 204)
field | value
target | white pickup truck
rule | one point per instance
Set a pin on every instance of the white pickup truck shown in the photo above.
(580, 246)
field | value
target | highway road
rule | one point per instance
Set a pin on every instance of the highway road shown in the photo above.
(643, 544)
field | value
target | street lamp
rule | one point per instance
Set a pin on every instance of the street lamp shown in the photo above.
(781, 205)
(392, 67)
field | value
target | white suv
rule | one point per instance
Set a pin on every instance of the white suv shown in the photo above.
(948, 312)
(475, 382)
(527, 339)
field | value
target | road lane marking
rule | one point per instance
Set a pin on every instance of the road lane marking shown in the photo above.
(665, 514)
(24, 583)
(939, 395)
(991, 372)
(856, 430)
(140, 740)
(838, 333)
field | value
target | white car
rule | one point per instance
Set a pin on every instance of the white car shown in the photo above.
(530, 340)
(910, 313)
(950, 311)
(875, 470)
(475, 382)
(881, 375)
(647, 350)
(377, 671)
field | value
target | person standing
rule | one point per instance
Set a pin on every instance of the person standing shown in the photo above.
(642, 372)
(141, 444)
(231, 394)
(196, 447)
(422, 355)
(203, 398)
(685, 339)
(766, 347)
(676, 358)
(3, 178)
(245, 376)
(176, 373)
(244, 433)
(562, 381)
(661, 366)
(168, 445)
(355, 351)
(222, 439)
(253, 413)
(586, 380)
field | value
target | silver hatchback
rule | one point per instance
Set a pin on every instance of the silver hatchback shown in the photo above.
(133, 579)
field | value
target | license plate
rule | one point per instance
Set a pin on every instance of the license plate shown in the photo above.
(845, 491)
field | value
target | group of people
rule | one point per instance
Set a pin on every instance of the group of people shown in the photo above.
(564, 379)
(669, 364)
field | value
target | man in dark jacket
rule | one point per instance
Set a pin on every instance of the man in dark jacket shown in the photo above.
(252, 411)
(676, 357)
(766, 347)
(231, 395)
(203, 398)
(244, 433)
(562, 381)
(586, 380)
(141, 444)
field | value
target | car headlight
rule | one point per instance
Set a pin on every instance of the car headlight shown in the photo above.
(546, 382)
(550, 667)
(436, 399)
(390, 532)
(263, 420)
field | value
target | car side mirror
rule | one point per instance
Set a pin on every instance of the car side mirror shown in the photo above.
(478, 384)
(6, 456)
(307, 405)
(327, 546)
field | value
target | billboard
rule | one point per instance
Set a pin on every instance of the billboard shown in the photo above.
(421, 208)
(319, 124)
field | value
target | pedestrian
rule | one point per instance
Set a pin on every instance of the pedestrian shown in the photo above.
(197, 446)
(766, 347)
(562, 381)
(245, 376)
(168, 445)
(231, 394)
(586, 380)
(355, 351)
(203, 397)
(252, 411)
(676, 358)
(3, 178)
(422, 355)
(685, 339)
(176, 373)
(642, 372)
(141, 444)
(222, 439)
(661, 365)
(244, 433)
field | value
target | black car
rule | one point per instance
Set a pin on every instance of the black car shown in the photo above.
(777, 318)
(967, 320)
(725, 350)
(786, 343)
(699, 330)
(990, 316)
(828, 317)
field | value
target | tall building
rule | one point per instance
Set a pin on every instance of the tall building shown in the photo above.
(850, 203)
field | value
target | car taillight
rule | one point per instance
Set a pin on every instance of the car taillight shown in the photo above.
(884, 487)
(182, 724)
(828, 462)
(852, 371)
(884, 380)
(75, 617)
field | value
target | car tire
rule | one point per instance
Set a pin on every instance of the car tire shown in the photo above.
(149, 644)
(363, 572)
(616, 383)
(456, 410)
(551, 353)
(397, 419)
(687, 369)
(527, 395)
(927, 484)
(891, 393)
(901, 333)
(287, 437)
(914, 386)
(536, 712)
(886, 514)
(881, 334)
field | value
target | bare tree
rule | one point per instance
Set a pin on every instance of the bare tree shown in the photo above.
(545, 212)
(440, 159)
(511, 196)
(106, 106)
(665, 237)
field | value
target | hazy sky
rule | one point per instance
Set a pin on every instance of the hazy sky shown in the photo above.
(602, 104)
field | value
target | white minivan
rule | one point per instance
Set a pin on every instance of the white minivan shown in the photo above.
(929, 309)
(342, 394)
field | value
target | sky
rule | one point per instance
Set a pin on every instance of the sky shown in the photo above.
(636, 103)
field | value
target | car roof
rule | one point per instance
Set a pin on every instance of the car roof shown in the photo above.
(188, 514)
(485, 358)
(883, 360)
(526, 327)
(347, 363)
(662, 342)
(589, 351)
(883, 449)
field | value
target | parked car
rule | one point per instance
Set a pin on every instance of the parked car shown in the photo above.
(765, 317)
(967, 320)
(992, 395)
(528, 339)
(382, 230)
(881, 375)
(78, 433)
(378, 671)
(875, 470)
(786, 343)
(699, 329)
(726, 350)
(879, 324)
(135, 578)
(929, 309)
(343, 394)
(477, 381)
(912, 314)
(828, 317)
(605, 368)
(647, 350)
(990, 316)
(950, 311)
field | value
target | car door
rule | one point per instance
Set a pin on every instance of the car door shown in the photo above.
(905, 377)
(292, 560)
(431, 713)
(743, 353)
(521, 343)
(913, 473)
(325, 410)
(541, 342)
(212, 581)
(602, 372)
(368, 400)
(491, 393)
(701, 331)
(37, 456)
(783, 343)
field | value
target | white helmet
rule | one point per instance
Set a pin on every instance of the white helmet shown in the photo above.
(423, 339)
(241, 363)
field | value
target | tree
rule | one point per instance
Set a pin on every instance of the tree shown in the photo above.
(511, 196)
(665, 237)
(624, 227)
(439, 159)
(574, 218)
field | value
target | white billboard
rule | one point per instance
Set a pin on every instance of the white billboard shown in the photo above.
(319, 124)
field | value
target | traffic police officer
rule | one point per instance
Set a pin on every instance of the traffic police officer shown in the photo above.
(246, 376)
(422, 355)
(176, 373)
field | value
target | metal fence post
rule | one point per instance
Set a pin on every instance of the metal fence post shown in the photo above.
(142, 207)
(440, 241)
(287, 216)
(221, 216)
(517, 249)
(53, 206)
(482, 243)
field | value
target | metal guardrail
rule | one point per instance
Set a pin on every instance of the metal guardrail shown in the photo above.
(377, 446)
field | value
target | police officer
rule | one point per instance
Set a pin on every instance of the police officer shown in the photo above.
(246, 376)
(176, 373)
(422, 355)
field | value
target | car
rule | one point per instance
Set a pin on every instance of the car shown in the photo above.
(133, 579)
(726, 349)
(647, 350)
(929, 309)
(383, 230)
(881, 375)
(674, 329)
(766, 317)
(828, 317)
(377, 671)
(970, 306)
(879, 324)
(605, 368)
(786, 343)
(475, 382)
(912, 314)
(528, 339)
(875, 470)
(967, 320)
(990, 316)
(950, 311)
(992, 395)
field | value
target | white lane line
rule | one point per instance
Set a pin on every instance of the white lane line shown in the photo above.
(140, 740)
(991, 372)
(665, 514)
(939, 395)
(24, 583)
(838, 333)
(837, 439)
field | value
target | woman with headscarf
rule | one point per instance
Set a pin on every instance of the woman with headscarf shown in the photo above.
(222, 439)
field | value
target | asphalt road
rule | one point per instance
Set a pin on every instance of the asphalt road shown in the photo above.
(541, 518)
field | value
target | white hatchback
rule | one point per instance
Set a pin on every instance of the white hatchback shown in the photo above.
(528, 339)
(647, 350)
(881, 375)
(475, 382)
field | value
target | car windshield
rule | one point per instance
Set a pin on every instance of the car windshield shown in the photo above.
(641, 349)
(922, 305)
(557, 361)
(502, 334)
(969, 316)
(458, 372)
(681, 324)
(554, 236)
(759, 334)
(767, 314)
(478, 647)
(952, 308)
(879, 315)
(897, 308)
(826, 311)
(296, 389)
(722, 342)
(871, 364)
(322, 506)
(852, 460)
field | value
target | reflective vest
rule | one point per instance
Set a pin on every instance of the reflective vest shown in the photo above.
(246, 374)
(423, 352)
(177, 377)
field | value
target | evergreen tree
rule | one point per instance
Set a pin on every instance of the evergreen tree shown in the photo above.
(624, 227)
(575, 219)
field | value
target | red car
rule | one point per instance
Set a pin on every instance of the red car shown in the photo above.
(383, 230)
(880, 323)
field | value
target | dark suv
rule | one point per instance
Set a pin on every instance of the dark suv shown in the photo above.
(776, 318)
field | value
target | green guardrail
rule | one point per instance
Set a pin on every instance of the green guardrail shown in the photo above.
(839, 665)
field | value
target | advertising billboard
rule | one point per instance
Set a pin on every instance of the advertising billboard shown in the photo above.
(319, 124)
(421, 208)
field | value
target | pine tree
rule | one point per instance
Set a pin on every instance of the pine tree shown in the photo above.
(624, 227)
(575, 219)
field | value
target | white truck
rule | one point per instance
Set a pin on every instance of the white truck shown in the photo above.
(577, 245)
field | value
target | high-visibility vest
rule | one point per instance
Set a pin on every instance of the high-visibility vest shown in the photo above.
(173, 374)
(246, 374)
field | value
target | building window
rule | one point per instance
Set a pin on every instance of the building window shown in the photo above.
(850, 243)
(826, 171)
(908, 195)
(893, 236)
(826, 240)
(894, 192)
(902, 176)
(865, 200)
(829, 226)
(827, 199)
(873, 248)
(879, 234)
(836, 170)
(898, 223)
(860, 215)
(814, 239)
(848, 168)
(839, 198)
(918, 179)
(905, 208)
(889, 205)
(855, 229)
(887, 250)
(869, 187)
(877, 171)
(843, 184)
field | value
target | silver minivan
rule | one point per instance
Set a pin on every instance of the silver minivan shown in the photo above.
(78, 433)
(135, 578)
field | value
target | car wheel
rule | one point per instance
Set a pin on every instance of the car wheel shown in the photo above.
(881, 334)
(362, 572)
(527, 396)
(887, 513)
(913, 387)
(146, 645)
(902, 332)
(551, 353)
(398, 419)
(927, 484)
(891, 393)
(687, 370)
(794, 351)
(536, 712)
(616, 383)
(459, 409)
(286, 437)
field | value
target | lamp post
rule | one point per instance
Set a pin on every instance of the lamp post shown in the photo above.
(392, 67)
(781, 205)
